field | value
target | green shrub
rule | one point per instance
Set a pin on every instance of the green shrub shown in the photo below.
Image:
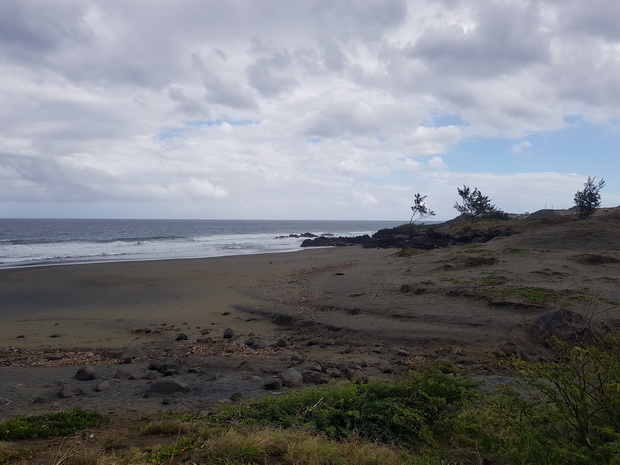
(51, 424)
(409, 411)
(567, 411)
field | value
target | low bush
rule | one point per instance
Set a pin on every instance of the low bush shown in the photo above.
(409, 412)
(48, 425)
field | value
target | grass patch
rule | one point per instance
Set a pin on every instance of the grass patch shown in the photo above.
(493, 280)
(513, 250)
(405, 412)
(472, 262)
(409, 252)
(594, 259)
(528, 293)
(48, 425)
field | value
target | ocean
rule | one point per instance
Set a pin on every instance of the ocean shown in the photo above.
(39, 242)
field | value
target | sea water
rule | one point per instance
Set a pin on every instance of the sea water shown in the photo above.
(35, 242)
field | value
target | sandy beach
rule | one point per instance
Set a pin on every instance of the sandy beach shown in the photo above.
(229, 326)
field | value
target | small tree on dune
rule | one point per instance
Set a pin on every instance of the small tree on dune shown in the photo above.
(589, 199)
(419, 208)
(476, 205)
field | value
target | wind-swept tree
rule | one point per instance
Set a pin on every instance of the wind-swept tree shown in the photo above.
(420, 209)
(477, 205)
(589, 199)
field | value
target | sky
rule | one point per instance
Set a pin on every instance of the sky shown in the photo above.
(304, 109)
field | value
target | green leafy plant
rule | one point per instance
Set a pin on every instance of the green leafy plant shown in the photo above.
(47, 425)
(405, 412)
(589, 199)
(476, 205)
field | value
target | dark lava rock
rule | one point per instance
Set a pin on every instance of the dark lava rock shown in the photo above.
(228, 333)
(291, 378)
(273, 384)
(167, 386)
(85, 374)
(68, 390)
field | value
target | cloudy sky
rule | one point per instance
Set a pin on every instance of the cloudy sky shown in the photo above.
(313, 109)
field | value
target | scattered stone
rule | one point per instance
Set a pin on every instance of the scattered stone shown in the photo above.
(236, 397)
(166, 367)
(228, 333)
(296, 358)
(167, 386)
(315, 377)
(181, 337)
(291, 377)
(563, 324)
(103, 386)
(151, 375)
(55, 335)
(281, 342)
(255, 343)
(85, 374)
(68, 390)
(357, 376)
(124, 374)
(385, 367)
(273, 384)
(204, 332)
(507, 348)
(402, 353)
(333, 372)
(135, 351)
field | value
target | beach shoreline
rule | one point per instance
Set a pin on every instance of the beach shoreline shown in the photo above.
(231, 326)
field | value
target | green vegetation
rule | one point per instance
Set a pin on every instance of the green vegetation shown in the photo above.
(589, 199)
(565, 410)
(48, 425)
(420, 209)
(406, 412)
(594, 259)
(471, 262)
(528, 293)
(404, 253)
(476, 205)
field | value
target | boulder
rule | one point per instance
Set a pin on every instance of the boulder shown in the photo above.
(136, 351)
(385, 367)
(563, 324)
(273, 384)
(85, 374)
(124, 374)
(228, 333)
(291, 378)
(167, 386)
(68, 390)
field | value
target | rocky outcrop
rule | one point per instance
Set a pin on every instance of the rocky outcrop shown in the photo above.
(409, 236)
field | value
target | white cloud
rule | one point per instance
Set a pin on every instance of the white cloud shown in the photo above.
(280, 109)
(520, 147)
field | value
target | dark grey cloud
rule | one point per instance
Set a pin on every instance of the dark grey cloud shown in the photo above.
(598, 18)
(503, 39)
(29, 30)
(269, 75)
